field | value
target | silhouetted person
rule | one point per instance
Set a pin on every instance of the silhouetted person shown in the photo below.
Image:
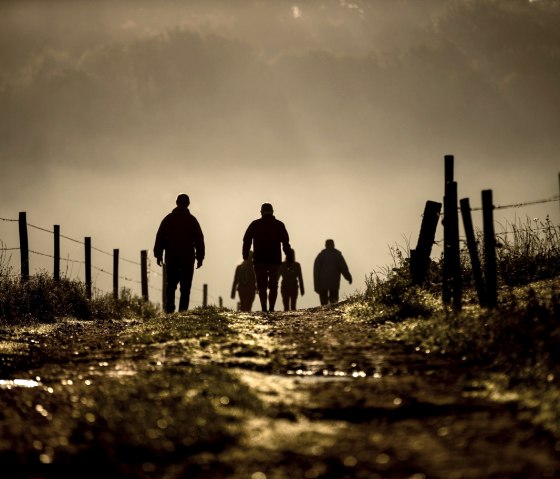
(245, 283)
(292, 281)
(268, 237)
(329, 265)
(180, 237)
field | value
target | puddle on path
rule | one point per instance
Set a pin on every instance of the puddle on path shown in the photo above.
(18, 383)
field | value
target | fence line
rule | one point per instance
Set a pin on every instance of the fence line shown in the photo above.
(503, 233)
(83, 262)
(74, 261)
(145, 264)
(451, 281)
(79, 242)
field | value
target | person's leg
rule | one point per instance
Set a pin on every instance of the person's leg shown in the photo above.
(273, 273)
(172, 280)
(246, 297)
(186, 276)
(293, 299)
(261, 273)
(324, 297)
(333, 296)
(250, 300)
(285, 298)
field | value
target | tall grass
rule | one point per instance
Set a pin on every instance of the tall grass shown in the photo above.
(528, 251)
(42, 299)
(523, 331)
(512, 348)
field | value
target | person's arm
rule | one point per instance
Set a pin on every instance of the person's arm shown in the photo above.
(159, 245)
(235, 282)
(344, 269)
(199, 246)
(300, 278)
(247, 242)
(285, 240)
(317, 272)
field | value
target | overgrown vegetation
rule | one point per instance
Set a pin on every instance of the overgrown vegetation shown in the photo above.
(43, 299)
(519, 340)
(525, 253)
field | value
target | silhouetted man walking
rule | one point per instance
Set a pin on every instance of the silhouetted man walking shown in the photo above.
(269, 237)
(329, 265)
(180, 237)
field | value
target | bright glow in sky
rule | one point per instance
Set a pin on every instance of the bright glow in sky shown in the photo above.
(340, 119)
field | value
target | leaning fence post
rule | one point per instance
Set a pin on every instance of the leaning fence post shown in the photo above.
(23, 246)
(489, 249)
(56, 252)
(205, 296)
(144, 272)
(473, 250)
(420, 257)
(115, 274)
(87, 243)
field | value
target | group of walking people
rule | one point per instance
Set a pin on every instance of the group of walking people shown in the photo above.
(180, 243)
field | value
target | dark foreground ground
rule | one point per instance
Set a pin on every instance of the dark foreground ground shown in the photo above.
(308, 394)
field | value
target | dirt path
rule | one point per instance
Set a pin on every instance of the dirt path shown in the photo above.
(307, 394)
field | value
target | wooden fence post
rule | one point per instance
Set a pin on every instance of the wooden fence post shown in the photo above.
(23, 246)
(221, 302)
(205, 296)
(456, 279)
(115, 274)
(489, 249)
(144, 272)
(473, 250)
(87, 244)
(452, 253)
(447, 273)
(56, 253)
(449, 168)
(420, 257)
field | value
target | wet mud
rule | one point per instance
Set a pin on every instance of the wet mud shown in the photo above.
(219, 394)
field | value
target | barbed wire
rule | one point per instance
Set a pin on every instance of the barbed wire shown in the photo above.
(83, 262)
(78, 242)
(520, 205)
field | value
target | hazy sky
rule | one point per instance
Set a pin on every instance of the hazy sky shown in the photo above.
(337, 112)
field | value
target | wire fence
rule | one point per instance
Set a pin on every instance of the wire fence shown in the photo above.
(516, 229)
(520, 205)
(70, 261)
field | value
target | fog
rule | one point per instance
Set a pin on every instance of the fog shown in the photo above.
(338, 113)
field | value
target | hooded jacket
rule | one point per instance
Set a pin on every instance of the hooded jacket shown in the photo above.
(180, 236)
(327, 268)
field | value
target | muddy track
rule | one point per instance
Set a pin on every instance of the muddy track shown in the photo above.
(306, 394)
